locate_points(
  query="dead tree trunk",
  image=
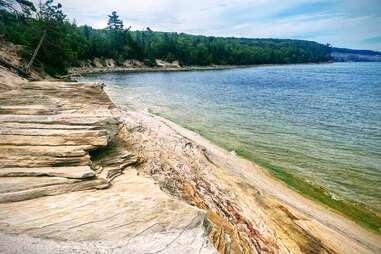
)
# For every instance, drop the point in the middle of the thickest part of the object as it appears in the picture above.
(12, 67)
(36, 50)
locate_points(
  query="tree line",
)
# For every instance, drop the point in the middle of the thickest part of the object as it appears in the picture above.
(69, 45)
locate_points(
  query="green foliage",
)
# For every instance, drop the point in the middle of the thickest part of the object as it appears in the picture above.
(114, 22)
(51, 14)
(58, 49)
(201, 50)
(67, 44)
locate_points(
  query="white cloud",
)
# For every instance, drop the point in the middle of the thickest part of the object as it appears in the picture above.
(345, 24)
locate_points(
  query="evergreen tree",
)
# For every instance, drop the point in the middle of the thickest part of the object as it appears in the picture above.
(50, 13)
(86, 32)
(66, 45)
(114, 23)
(53, 26)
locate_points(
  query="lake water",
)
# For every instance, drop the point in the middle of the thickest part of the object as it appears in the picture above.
(319, 125)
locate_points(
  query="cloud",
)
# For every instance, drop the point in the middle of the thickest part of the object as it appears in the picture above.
(343, 23)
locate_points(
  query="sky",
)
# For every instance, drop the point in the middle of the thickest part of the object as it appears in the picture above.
(342, 23)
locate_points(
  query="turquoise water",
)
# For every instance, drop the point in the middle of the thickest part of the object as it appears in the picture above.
(320, 124)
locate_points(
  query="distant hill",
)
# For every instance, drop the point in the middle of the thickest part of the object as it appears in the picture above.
(353, 55)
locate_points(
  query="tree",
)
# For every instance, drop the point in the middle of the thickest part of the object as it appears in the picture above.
(52, 41)
(50, 13)
(18, 7)
(86, 31)
(66, 45)
(114, 23)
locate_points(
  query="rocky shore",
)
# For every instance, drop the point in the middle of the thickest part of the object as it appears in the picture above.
(109, 65)
(80, 175)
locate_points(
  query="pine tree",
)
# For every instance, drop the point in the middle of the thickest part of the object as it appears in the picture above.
(114, 23)
(50, 13)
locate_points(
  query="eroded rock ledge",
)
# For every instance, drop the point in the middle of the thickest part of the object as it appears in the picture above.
(249, 211)
(48, 130)
(79, 175)
(69, 183)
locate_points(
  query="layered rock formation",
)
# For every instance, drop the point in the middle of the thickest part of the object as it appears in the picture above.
(98, 65)
(66, 175)
(46, 134)
(79, 175)
(249, 211)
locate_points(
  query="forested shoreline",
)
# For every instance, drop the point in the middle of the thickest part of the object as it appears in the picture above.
(69, 45)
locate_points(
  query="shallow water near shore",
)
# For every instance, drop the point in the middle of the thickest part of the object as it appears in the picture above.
(316, 127)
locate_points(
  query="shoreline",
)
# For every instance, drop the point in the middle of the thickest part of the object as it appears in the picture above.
(101, 70)
(315, 193)
(268, 184)
(78, 71)
(362, 215)
(180, 187)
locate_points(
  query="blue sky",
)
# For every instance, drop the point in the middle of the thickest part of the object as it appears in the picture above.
(342, 23)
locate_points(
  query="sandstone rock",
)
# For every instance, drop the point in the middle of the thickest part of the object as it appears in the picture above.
(97, 62)
(53, 151)
(26, 110)
(72, 119)
(133, 216)
(112, 162)
(53, 140)
(110, 63)
(16, 184)
(175, 191)
(66, 172)
(164, 64)
(249, 211)
(48, 126)
(50, 188)
(43, 161)
(47, 130)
